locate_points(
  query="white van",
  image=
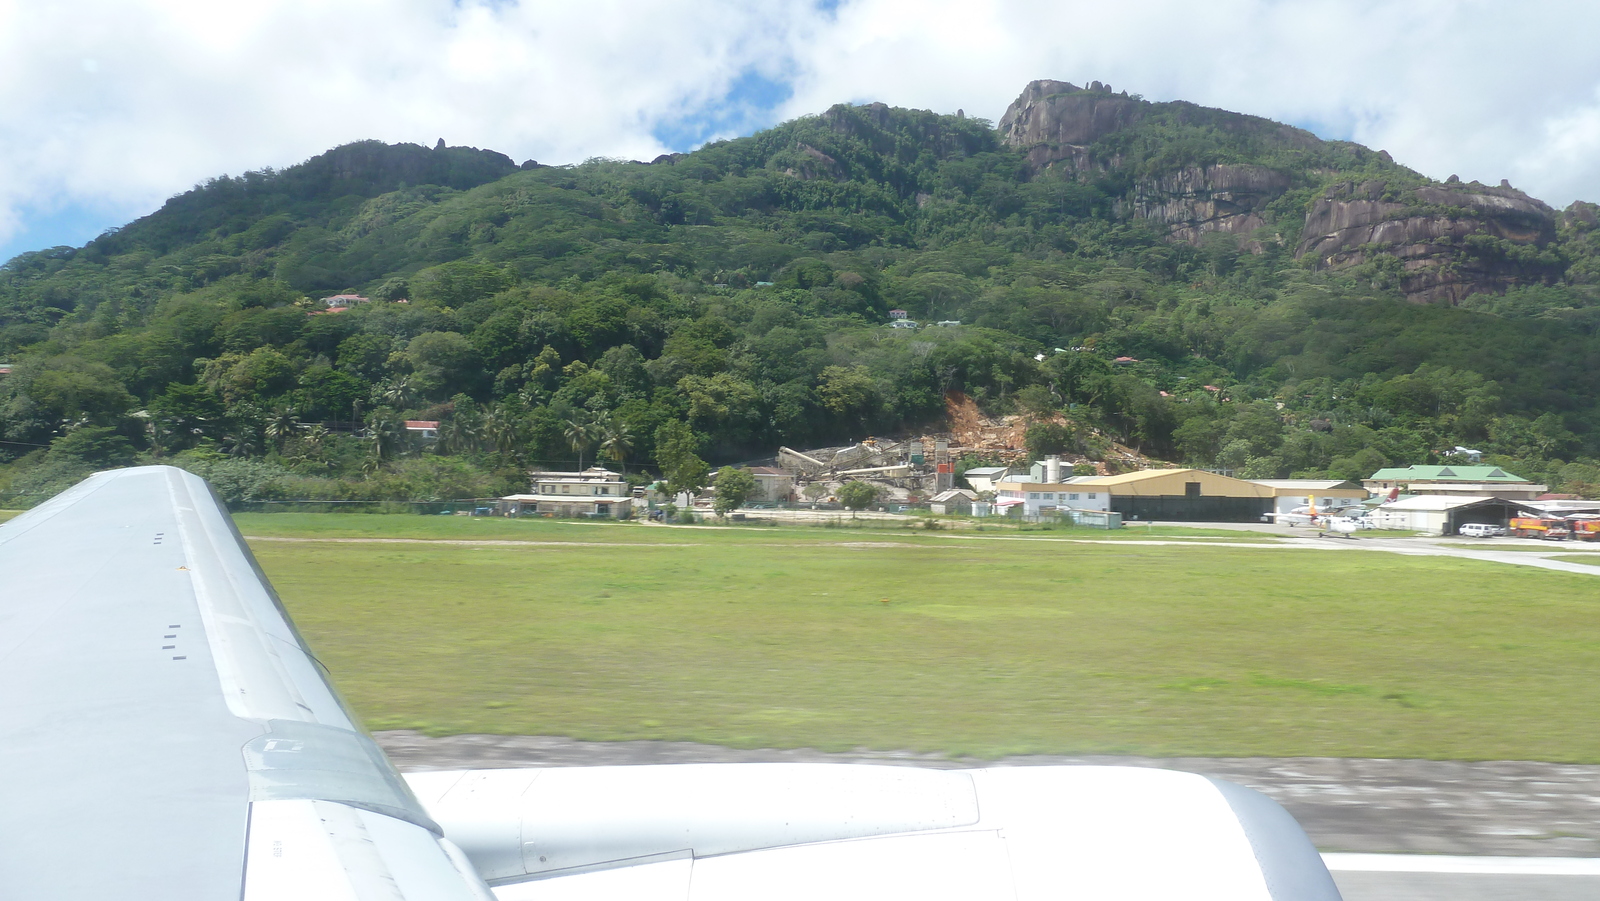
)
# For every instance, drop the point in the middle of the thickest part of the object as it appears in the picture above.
(1478, 530)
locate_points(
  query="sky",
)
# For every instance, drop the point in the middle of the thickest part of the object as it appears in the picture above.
(108, 107)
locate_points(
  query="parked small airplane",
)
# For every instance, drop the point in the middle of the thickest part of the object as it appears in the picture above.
(165, 734)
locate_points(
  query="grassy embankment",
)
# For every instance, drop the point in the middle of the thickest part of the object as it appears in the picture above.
(937, 642)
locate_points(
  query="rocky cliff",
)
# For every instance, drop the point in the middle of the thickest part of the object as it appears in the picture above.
(1197, 170)
(1451, 240)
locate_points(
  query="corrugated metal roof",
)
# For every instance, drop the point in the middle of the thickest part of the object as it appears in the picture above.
(1445, 474)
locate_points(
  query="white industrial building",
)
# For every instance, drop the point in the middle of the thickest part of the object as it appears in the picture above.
(1436, 514)
(1288, 495)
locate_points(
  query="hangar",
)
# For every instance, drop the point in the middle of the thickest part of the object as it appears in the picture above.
(1440, 515)
(1184, 495)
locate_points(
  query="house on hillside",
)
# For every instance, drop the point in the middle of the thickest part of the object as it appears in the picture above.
(427, 429)
(1453, 481)
(343, 301)
(595, 492)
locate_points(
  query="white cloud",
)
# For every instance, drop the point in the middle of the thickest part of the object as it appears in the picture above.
(117, 104)
(129, 101)
(1482, 89)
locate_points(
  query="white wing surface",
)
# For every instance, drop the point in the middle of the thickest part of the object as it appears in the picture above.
(163, 731)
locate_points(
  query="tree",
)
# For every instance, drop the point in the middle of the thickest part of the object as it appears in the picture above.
(814, 492)
(733, 486)
(616, 439)
(579, 430)
(676, 444)
(387, 432)
(1043, 439)
(282, 424)
(95, 445)
(463, 432)
(857, 495)
(183, 414)
(500, 426)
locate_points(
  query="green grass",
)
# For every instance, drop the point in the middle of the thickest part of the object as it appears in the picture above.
(928, 641)
(1589, 559)
(8, 514)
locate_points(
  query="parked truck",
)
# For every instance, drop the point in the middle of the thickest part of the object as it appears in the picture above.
(1550, 528)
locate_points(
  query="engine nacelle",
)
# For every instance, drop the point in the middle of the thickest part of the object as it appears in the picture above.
(820, 830)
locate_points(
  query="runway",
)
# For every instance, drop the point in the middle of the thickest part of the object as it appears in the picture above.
(1407, 877)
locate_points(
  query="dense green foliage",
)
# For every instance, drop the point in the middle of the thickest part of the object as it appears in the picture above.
(736, 298)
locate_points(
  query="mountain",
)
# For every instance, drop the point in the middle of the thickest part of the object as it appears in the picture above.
(1289, 305)
(1195, 171)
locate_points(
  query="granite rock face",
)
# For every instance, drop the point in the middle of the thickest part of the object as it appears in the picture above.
(1059, 113)
(1450, 240)
(1436, 232)
(1222, 198)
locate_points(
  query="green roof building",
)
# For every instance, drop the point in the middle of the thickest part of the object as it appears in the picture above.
(1453, 481)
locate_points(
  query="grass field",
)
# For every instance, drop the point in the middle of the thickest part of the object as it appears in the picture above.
(1589, 559)
(8, 514)
(970, 644)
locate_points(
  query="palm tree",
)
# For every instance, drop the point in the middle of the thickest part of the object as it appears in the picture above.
(462, 432)
(282, 424)
(616, 439)
(501, 428)
(398, 393)
(580, 433)
(387, 432)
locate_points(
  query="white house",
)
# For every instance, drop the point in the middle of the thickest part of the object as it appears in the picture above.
(595, 491)
(983, 478)
(1051, 498)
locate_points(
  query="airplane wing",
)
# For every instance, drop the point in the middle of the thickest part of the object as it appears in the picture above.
(165, 734)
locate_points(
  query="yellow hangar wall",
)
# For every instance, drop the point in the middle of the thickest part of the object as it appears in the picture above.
(1176, 482)
(1184, 495)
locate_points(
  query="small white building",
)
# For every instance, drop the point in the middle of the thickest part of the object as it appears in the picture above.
(983, 478)
(1052, 498)
(423, 428)
(773, 485)
(595, 491)
(1327, 495)
(954, 501)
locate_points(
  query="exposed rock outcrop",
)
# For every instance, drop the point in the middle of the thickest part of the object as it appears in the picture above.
(1222, 198)
(1065, 115)
(1452, 240)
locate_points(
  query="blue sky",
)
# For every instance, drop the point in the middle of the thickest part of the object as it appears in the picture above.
(107, 107)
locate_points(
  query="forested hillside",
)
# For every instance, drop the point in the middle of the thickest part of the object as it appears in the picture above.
(714, 305)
